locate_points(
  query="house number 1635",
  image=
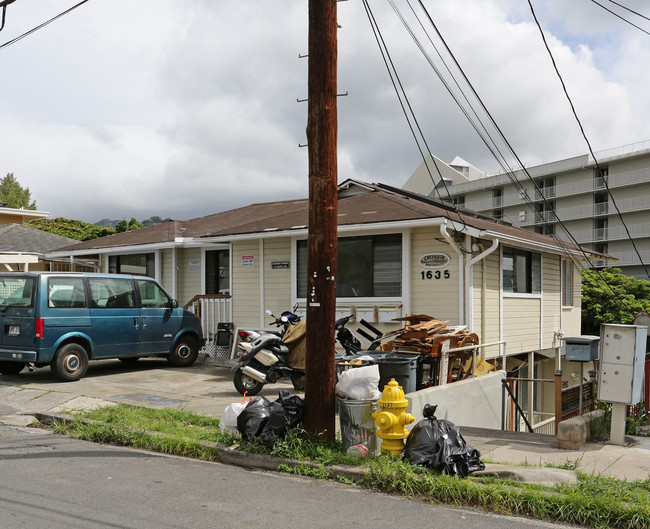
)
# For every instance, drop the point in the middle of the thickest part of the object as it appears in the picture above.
(438, 274)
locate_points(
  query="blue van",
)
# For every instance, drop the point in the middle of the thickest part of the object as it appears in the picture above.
(67, 319)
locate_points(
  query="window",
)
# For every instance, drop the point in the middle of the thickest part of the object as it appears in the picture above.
(367, 267)
(16, 292)
(567, 283)
(522, 271)
(66, 292)
(217, 272)
(111, 293)
(152, 296)
(139, 264)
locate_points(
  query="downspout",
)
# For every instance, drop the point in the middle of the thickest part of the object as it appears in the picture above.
(468, 291)
(461, 289)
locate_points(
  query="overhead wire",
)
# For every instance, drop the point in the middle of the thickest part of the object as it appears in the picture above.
(40, 26)
(621, 17)
(503, 163)
(630, 10)
(508, 172)
(584, 135)
(404, 102)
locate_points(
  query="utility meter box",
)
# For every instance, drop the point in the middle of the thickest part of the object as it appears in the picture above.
(622, 357)
(581, 348)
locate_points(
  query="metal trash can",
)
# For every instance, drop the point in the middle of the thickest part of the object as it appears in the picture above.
(357, 424)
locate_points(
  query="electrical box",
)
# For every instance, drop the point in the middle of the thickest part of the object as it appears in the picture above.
(581, 348)
(622, 357)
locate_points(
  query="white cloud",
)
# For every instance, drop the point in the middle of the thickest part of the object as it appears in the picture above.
(124, 109)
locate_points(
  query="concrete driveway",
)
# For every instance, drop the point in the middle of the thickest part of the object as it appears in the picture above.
(151, 382)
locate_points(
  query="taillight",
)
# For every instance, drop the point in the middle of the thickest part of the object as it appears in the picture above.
(38, 328)
(244, 335)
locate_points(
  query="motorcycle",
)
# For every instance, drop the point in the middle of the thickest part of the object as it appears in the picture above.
(263, 357)
(350, 342)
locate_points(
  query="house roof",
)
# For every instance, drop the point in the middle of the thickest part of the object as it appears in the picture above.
(16, 238)
(359, 203)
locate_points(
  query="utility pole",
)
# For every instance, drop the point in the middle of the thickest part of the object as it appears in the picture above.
(323, 217)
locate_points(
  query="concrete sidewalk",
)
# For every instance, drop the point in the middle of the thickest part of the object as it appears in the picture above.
(208, 389)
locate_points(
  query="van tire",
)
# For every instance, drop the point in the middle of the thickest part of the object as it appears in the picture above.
(11, 368)
(70, 363)
(184, 353)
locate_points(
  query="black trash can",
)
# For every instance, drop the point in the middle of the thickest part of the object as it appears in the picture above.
(396, 367)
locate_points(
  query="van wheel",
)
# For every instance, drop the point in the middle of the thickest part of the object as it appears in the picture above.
(185, 352)
(70, 363)
(11, 368)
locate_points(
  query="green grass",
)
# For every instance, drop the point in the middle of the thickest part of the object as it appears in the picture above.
(596, 501)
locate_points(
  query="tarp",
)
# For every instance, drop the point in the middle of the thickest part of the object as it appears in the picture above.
(296, 340)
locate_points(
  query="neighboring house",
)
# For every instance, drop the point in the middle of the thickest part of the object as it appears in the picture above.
(20, 216)
(571, 190)
(23, 248)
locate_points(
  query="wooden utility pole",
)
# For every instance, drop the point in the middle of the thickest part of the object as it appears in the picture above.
(323, 209)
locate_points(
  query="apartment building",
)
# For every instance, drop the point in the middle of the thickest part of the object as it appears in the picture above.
(566, 195)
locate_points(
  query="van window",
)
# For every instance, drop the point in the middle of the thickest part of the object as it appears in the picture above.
(65, 292)
(111, 293)
(152, 295)
(16, 292)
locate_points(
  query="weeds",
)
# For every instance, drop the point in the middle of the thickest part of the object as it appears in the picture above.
(596, 501)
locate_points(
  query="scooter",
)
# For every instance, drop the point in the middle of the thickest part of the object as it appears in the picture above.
(350, 342)
(262, 358)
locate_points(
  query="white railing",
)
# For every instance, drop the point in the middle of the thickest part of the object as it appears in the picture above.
(546, 426)
(212, 309)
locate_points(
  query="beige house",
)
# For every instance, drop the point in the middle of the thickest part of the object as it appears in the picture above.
(399, 253)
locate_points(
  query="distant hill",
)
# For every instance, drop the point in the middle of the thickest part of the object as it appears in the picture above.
(110, 223)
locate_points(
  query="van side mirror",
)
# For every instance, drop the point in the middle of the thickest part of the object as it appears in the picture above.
(173, 304)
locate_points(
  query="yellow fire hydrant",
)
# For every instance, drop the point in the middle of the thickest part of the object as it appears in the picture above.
(392, 418)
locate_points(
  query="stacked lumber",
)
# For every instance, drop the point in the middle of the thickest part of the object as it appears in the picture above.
(426, 335)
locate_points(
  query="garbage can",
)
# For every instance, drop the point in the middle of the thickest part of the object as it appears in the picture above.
(357, 424)
(400, 367)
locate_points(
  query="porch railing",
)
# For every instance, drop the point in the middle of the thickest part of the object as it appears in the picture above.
(215, 312)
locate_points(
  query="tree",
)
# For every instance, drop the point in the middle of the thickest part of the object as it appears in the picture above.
(14, 195)
(123, 225)
(609, 296)
(73, 229)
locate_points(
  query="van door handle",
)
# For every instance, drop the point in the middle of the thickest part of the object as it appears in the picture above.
(144, 324)
(135, 322)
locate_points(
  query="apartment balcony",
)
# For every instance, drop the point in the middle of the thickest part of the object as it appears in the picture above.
(585, 186)
(627, 259)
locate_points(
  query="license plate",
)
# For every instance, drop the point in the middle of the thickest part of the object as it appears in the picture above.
(14, 330)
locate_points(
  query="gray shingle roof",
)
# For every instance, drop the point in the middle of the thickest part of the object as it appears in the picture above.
(18, 238)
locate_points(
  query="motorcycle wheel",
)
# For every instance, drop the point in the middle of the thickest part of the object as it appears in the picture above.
(246, 385)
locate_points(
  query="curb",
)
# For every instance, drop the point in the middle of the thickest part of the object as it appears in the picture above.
(232, 456)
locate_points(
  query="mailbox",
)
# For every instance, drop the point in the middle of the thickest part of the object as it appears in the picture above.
(622, 362)
(581, 348)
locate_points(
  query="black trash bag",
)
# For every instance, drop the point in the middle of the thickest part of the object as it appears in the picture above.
(285, 413)
(253, 418)
(438, 444)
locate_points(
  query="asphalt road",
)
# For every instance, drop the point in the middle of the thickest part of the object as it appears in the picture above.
(52, 482)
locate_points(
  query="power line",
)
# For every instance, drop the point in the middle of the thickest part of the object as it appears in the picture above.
(630, 10)
(622, 18)
(27, 33)
(584, 135)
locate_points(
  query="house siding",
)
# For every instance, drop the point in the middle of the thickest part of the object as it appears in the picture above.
(552, 290)
(521, 323)
(487, 325)
(435, 297)
(246, 284)
(277, 281)
(189, 278)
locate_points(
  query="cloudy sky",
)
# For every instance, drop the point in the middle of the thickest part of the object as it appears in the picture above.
(127, 108)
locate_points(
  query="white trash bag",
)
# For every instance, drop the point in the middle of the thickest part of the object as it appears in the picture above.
(228, 422)
(359, 383)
